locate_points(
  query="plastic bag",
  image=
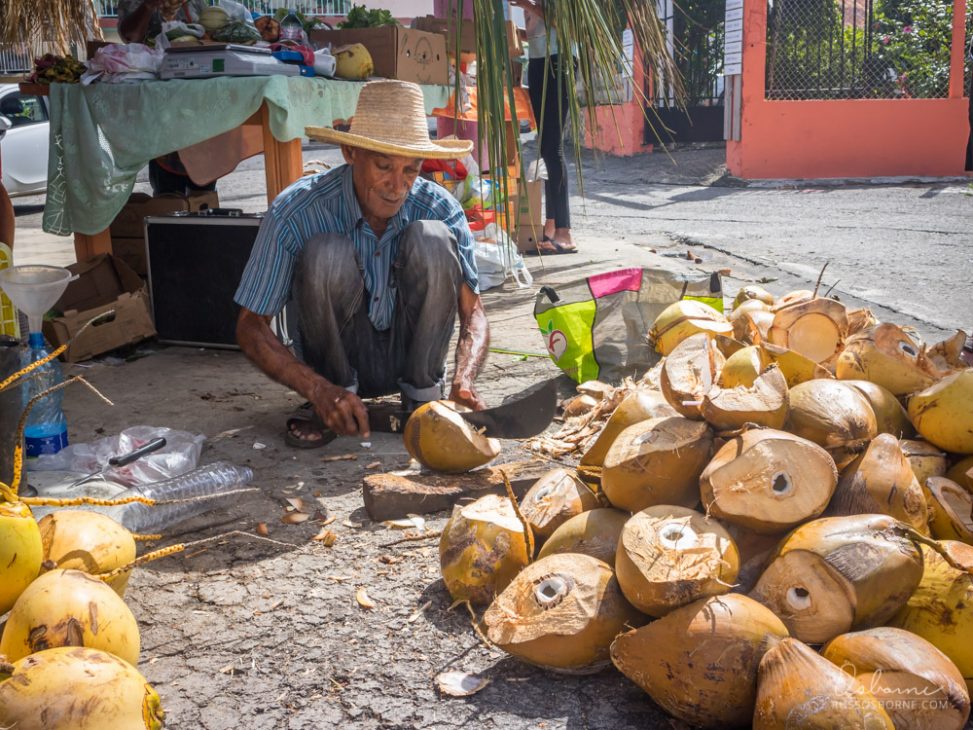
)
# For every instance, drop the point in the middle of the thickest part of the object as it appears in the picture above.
(497, 258)
(116, 62)
(179, 455)
(597, 328)
(238, 12)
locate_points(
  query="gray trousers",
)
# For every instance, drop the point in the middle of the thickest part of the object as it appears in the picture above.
(338, 339)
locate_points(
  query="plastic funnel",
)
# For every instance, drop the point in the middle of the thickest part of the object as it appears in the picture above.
(34, 289)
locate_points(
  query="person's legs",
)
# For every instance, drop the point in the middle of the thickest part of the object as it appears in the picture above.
(163, 181)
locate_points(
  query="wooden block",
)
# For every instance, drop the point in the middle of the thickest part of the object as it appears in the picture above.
(392, 496)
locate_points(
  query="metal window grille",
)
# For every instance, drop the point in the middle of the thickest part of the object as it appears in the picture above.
(15, 58)
(109, 9)
(858, 49)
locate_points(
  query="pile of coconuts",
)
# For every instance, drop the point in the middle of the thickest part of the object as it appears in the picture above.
(70, 645)
(779, 536)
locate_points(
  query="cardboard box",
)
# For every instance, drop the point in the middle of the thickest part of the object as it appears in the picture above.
(530, 215)
(398, 53)
(104, 283)
(128, 228)
(467, 31)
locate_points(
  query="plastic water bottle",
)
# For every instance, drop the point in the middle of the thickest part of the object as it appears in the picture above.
(292, 29)
(46, 431)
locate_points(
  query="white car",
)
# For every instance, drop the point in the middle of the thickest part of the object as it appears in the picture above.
(23, 148)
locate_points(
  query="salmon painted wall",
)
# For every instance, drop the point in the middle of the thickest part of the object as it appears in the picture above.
(622, 133)
(845, 138)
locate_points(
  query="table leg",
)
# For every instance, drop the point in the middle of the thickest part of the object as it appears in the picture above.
(283, 161)
(86, 246)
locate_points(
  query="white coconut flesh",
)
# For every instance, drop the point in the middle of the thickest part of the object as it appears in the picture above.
(773, 485)
(494, 509)
(690, 372)
(764, 403)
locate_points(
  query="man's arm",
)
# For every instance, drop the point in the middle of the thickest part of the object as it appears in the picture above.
(342, 411)
(471, 349)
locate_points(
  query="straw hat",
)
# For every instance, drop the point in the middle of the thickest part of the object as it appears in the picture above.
(391, 119)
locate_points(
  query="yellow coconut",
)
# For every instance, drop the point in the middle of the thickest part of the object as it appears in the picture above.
(354, 62)
(881, 481)
(555, 498)
(768, 481)
(683, 319)
(741, 320)
(943, 413)
(699, 662)
(639, 405)
(798, 688)
(754, 325)
(483, 546)
(940, 610)
(762, 404)
(438, 438)
(836, 574)
(21, 552)
(88, 541)
(924, 458)
(962, 473)
(751, 293)
(816, 328)
(917, 685)
(796, 368)
(689, 372)
(886, 355)
(593, 533)
(793, 297)
(950, 510)
(890, 416)
(562, 612)
(743, 367)
(946, 357)
(669, 556)
(77, 688)
(657, 462)
(832, 415)
(70, 608)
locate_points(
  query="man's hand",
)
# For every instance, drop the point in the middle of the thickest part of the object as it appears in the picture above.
(341, 410)
(465, 393)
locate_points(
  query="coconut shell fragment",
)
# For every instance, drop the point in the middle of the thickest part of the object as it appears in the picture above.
(593, 533)
(669, 556)
(768, 481)
(924, 458)
(438, 438)
(943, 413)
(690, 372)
(885, 355)
(700, 661)
(639, 405)
(798, 688)
(555, 498)
(950, 510)
(762, 404)
(562, 612)
(815, 328)
(685, 318)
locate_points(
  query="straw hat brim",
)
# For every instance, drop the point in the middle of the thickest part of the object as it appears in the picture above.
(447, 149)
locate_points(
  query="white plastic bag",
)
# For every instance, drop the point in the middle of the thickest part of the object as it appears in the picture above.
(238, 12)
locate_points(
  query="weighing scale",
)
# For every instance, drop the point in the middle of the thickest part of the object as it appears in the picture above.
(224, 59)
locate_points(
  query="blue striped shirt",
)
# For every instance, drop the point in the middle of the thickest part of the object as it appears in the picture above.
(326, 203)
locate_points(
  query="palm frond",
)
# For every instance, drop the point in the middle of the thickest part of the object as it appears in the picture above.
(55, 25)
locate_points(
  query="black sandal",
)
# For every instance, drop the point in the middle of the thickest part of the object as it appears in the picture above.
(306, 415)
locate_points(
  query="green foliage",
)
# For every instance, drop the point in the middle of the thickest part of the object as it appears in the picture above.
(913, 40)
(361, 17)
(309, 22)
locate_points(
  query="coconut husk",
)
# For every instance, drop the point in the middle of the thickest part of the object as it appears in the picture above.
(762, 404)
(943, 412)
(860, 320)
(768, 481)
(945, 357)
(657, 462)
(924, 458)
(816, 328)
(832, 415)
(21, 551)
(796, 368)
(755, 550)
(950, 510)
(751, 293)
(940, 609)
(743, 367)
(690, 372)
(886, 355)
(727, 635)
(740, 317)
(683, 319)
(593, 533)
(669, 556)
(797, 296)
(796, 687)
(555, 498)
(881, 481)
(579, 405)
(962, 473)
(440, 439)
(836, 574)
(577, 432)
(917, 685)
(639, 405)
(890, 416)
(562, 612)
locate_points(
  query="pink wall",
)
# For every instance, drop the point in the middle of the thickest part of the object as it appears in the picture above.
(845, 138)
(620, 129)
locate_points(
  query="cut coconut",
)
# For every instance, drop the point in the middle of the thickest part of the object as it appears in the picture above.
(832, 415)
(562, 612)
(860, 320)
(924, 458)
(886, 355)
(683, 319)
(593, 533)
(797, 688)
(940, 610)
(689, 372)
(918, 685)
(768, 481)
(836, 574)
(700, 661)
(946, 357)
(793, 297)
(943, 413)
(579, 406)
(669, 556)
(743, 367)
(88, 541)
(962, 473)
(741, 319)
(951, 510)
(483, 546)
(438, 438)
(816, 329)
(753, 293)
(639, 405)
(890, 416)
(657, 462)
(762, 404)
(555, 498)
(881, 481)
(796, 368)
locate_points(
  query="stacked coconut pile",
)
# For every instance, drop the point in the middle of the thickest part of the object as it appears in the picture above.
(778, 534)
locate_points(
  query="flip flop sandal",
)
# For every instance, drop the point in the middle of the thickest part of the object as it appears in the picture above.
(306, 415)
(559, 249)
